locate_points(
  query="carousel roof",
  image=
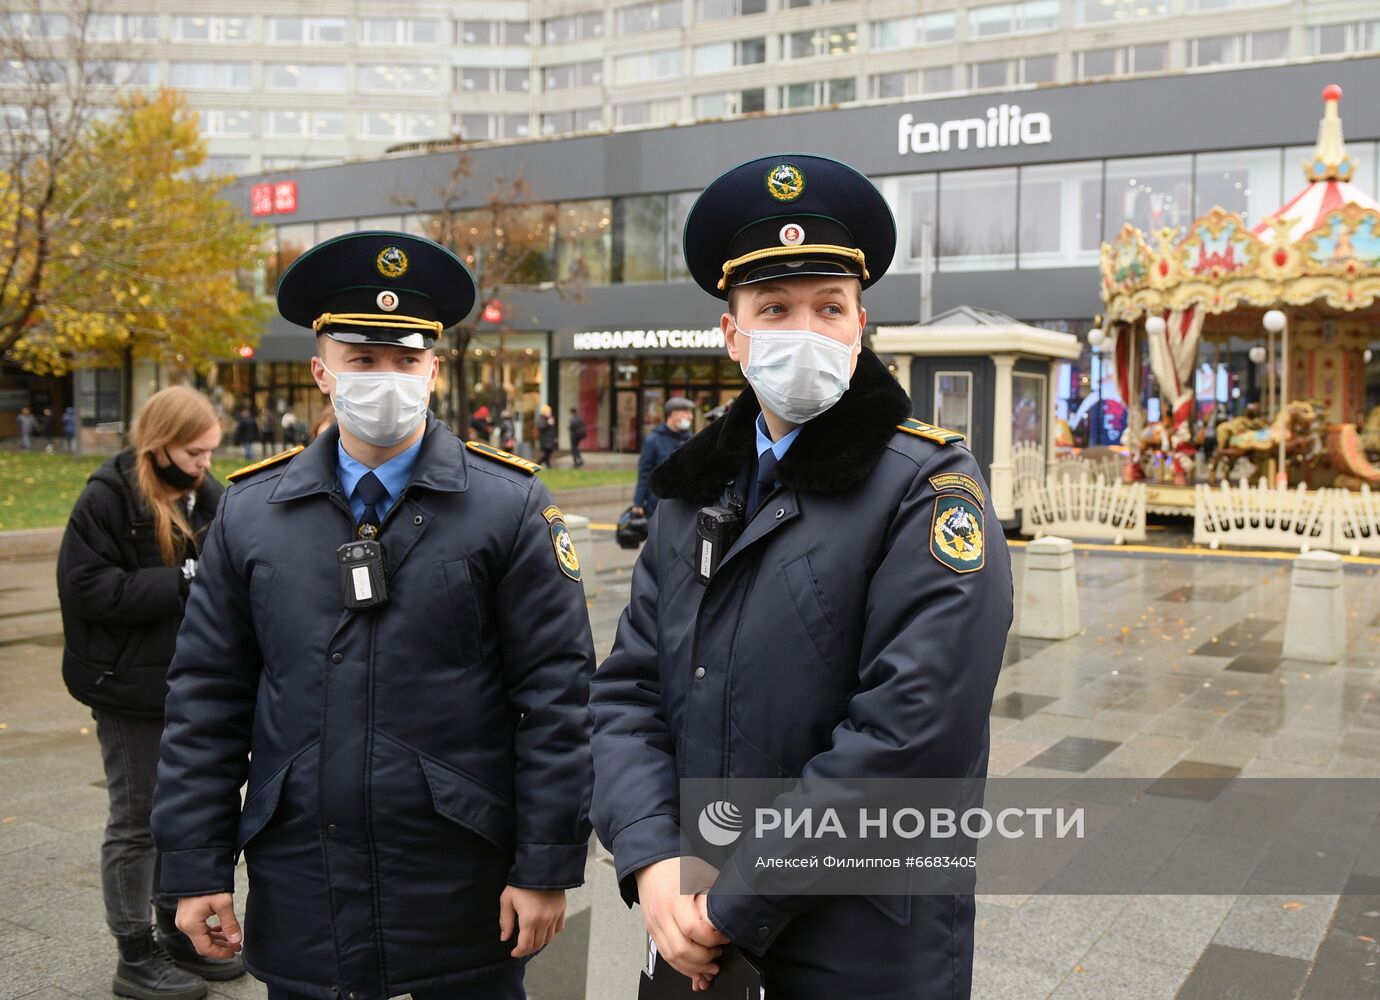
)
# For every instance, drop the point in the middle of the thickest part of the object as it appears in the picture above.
(1322, 247)
(1329, 171)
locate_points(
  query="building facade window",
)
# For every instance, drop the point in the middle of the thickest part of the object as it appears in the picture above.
(215, 76)
(840, 39)
(197, 28)
(1337, 39)
(717, 10)
(1149, 193)
(740, 102)
(1013, 18)
(1227, 50)
(399, 31)
(977, 219)
(1211, 5)
(306, 30)
(319, 124)
(416, 78)
(474, 127)
(1107, 11)
(515, 126)
(1152, 58)
(573, 28)
(818, 92)
(304, 76)
(399, 125)
(718, 56)
(635, 67)
(908, 32)
(564, 76)
(1060, 215)
(123, 28)
(659, 15)
(1246, 181)
(584, 240)
(647, 112)
(219, 122)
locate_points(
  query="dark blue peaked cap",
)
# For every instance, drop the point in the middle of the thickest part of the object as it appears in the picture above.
(377, 287)
(788, 215)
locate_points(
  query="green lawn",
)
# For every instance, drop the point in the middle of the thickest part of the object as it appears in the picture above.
(37, 490)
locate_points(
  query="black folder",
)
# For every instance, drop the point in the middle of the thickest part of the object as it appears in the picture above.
(738, 979)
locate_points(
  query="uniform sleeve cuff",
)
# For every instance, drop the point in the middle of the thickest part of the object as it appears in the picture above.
(548, 866)
(750, 922)
(640, 844)
(203, 871)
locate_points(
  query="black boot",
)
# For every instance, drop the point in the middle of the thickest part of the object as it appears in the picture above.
(145, 972)
(179, 948)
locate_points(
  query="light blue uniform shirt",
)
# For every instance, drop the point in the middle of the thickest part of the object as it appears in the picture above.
(764, 440)
(393, 473)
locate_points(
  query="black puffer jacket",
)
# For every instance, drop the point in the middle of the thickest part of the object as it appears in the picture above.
(121, 605)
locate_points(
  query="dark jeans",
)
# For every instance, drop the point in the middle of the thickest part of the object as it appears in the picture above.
(506, 986)
(575, 455)
(129, 859)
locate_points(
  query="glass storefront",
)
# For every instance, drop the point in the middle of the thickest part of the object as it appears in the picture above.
(622, 398)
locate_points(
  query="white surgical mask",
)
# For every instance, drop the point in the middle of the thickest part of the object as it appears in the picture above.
(797, 374)
(382, 408)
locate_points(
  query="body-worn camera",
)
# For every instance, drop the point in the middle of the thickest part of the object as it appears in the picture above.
(362, 580)
(717, 529)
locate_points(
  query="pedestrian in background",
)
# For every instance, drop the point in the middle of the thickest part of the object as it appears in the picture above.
(125, 568)
(50, 430)
(246, 433)
(664, 439)
(69, 428)
(507, 431)
(289, 428)
(547, 433)
(577, 429)
(268, 433)
(28, 423)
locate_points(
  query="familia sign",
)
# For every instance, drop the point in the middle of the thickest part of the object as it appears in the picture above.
(1004, 125)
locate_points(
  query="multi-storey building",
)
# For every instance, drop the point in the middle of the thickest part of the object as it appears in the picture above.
(295, 83)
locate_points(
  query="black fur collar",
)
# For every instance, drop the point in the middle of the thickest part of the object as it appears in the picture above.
(834, 452)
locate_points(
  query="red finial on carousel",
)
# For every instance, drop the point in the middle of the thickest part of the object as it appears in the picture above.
(1330, 161)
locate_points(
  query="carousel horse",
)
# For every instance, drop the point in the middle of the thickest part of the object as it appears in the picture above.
(1299, 425)
(1370, 434)
(1161, 448)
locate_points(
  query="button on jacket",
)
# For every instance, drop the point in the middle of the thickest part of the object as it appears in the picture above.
(841, 637)
(408, 761)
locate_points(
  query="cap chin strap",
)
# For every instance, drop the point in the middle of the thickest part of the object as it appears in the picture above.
(386, 322)
(851, 253)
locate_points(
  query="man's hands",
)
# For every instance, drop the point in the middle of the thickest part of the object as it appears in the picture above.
(679, 923)
(220, 940)
(539, 915)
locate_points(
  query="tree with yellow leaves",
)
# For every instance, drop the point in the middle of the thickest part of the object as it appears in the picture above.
(112, 246)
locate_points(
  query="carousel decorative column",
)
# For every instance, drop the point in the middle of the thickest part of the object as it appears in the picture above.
(1275, 323)
(1003, 482)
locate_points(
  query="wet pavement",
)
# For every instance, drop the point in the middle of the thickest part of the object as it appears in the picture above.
(1178, 670)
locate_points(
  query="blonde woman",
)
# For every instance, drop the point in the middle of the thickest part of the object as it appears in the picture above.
(127, 561)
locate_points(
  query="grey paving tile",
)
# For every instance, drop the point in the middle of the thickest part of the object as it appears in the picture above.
(1074, 753)
(1102, 975)
(1194, 779)
(1255, 663)
(1292, 926)
(1345, 967)
(1206, 593)
(1167, 930)
(1020, 704)
(1236, 974)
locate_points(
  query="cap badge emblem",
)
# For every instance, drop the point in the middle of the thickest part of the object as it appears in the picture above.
(391, 262)
(388, 301)
(785, 182)
(792, 234)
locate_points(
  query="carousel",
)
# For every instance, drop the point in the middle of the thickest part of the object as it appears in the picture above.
(1303, 287)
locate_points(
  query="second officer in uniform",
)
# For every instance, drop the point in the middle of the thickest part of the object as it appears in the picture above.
(854, 629)
(388, 640)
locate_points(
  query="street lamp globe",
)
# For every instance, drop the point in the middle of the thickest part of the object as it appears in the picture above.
(1095, 338)
(1257, 354)
(1274, 321)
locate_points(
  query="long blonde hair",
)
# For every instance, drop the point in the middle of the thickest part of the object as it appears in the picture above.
(172, 416)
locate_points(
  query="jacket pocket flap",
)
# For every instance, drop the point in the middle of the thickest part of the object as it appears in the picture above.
(896, 907)
(259, 807)
(464, 801)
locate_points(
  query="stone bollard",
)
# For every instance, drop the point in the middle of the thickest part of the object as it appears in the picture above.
(1315, 626)
(1049, 590)
(578, 525)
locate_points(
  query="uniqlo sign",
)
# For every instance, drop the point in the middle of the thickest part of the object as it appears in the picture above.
(273, 199)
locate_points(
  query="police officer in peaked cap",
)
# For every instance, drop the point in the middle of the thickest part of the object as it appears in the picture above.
(388, 641)
(855, 626)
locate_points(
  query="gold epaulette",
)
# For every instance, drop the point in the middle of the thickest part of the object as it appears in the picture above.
(499, 455)
(930, 432)
(282, 456)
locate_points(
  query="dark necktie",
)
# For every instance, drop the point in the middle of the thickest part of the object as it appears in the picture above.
(763, 483)
(372, 492)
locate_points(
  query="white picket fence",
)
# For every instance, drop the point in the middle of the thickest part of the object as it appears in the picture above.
(1266, 516)
(1028, 464)
(1086, 509)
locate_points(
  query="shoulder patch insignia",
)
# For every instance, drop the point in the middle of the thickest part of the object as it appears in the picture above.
(956, 533)
(929, 432)
(566, 558)
(957, 481)
(272, 460)
(499, 455)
